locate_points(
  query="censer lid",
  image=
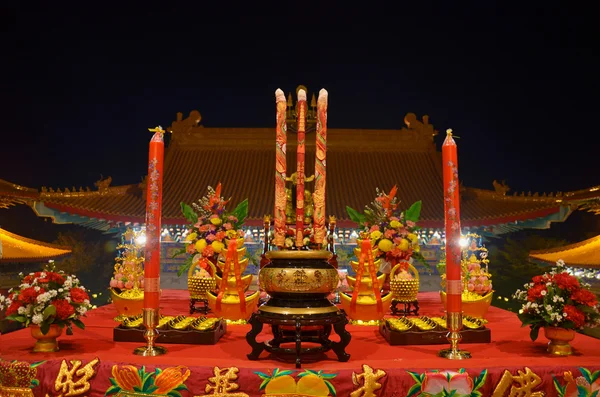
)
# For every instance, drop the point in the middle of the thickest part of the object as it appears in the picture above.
(290, 254)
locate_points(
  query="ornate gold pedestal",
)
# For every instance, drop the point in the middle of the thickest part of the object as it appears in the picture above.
(230, 308)
(366, 302)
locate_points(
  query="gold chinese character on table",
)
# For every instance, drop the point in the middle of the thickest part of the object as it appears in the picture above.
(369, 380)
(518, 385)
(74, 381)
(222, 383)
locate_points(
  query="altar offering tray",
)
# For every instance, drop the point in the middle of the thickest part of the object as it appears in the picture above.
(173, 329)
(431, 330)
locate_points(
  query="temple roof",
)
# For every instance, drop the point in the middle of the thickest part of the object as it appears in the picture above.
(584, 253)
(15, 248)
(358, 162)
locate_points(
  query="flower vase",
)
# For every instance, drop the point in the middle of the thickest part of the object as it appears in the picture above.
(559, 340)
(46, 343)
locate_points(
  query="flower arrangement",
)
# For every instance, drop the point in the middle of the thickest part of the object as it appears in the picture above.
(392, 231)
(211, 225)
(129, 267)
(47, 297)
(557, 299)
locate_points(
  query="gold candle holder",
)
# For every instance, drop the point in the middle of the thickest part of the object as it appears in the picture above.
(454, 323)
(151, 319)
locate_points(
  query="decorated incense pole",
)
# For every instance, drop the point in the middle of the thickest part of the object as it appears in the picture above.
(301, 151)
(320, 168)
(152, 248)
(280, 169)
(453, 249)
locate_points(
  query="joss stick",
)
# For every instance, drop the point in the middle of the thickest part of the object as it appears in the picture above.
(452, 223)
(320, 165)
(153, 220)
(301, 151)
(280, 169)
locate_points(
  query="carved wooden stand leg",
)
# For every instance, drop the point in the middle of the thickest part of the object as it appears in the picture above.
(288, 329)
(339, 348)
(202, 309)
(257, 347)
(298, 342)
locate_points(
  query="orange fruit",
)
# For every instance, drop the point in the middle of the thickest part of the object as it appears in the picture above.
(312, 385)
(281, 385)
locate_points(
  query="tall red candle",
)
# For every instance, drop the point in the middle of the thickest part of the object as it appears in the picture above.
(280, 169)
(452, 222)
(301, 151)
(320, 169)
(153, 219)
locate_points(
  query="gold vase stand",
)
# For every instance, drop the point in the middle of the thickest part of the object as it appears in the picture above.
(408, 307)
(291, 331)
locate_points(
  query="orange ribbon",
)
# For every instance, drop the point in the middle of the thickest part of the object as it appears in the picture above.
(366, 254)
(232, 256)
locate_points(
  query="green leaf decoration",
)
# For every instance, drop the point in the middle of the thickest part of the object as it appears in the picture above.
(189, 213)
(49, 311)
(328, 376)
(113, 381)
(586, 374)
(480, 380)
(44, 327)
(416, 376)
(414, 212)
(37, 364)
(240, 212)
(582, 391)
(262, 375)
(308, 372)
(151, 389)
(355, 216)
(264, 383)
(147, 381)
(560, 389)
(112, 390)
(533, 334)
(185, 266)
(331, 388)
(178, 252)
(181, 387)
(174, 393)
(414, 390)
(16, 317)
(78, 323)
(595, 394)
(34, 383)
(69, 330)
(595, 376)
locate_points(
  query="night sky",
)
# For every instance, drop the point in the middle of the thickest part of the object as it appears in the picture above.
(81, 86)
